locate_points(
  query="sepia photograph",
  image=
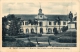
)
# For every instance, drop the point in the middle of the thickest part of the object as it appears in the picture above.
(39, 24)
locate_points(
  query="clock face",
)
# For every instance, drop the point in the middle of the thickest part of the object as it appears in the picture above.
(41, 17)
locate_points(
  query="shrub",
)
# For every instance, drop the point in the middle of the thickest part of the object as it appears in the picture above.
(64, 28)
(66, 40)
(30, 44)
(20, 43)
(23, 36)
(55, 31)
(71, 34)
(10, 39)
(52, 37)
(39, 35)
(32, 35)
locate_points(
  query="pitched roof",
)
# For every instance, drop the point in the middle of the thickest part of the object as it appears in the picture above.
(32, 16)
(62, 17)
(25, 17)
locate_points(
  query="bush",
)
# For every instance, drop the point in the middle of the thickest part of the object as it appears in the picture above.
(66, 40)
(55, 31)
(52, 37)
(70, 34)
(32, 35)
(30, 44)
(39, 35)
(10, 39)
(64, 28)
(23, 36)
(49, 33)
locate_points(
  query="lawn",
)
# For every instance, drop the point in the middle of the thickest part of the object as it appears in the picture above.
(58, 40)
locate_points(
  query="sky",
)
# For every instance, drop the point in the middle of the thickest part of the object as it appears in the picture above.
(61, 8)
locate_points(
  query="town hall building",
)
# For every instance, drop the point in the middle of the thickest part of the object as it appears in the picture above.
(45, 23)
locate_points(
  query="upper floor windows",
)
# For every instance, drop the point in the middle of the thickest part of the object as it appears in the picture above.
(49, 23)
(26, 23)
(64, 23)
(54, 23)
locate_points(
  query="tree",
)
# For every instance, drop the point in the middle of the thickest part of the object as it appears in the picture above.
(55, 31)
(58, 20)
(64, 28)
(4, 23)
(15, 25)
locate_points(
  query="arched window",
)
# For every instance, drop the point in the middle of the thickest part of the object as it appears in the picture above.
(27, 30)
(41, 30)
(49, 30)
(32, 30)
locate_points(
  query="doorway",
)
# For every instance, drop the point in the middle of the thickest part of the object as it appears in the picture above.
(41, 30)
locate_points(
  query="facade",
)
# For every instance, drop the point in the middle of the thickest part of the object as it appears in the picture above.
(45, 23)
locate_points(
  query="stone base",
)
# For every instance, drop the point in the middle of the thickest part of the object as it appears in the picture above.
(72, 30)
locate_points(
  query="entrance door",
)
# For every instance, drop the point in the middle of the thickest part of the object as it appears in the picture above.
(27, 30)
(41, 30)
(32, 30)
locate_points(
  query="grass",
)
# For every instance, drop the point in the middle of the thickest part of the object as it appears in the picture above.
(58, 45)
(17, 43)
(40, 39)
(63, 40)
(66, 37)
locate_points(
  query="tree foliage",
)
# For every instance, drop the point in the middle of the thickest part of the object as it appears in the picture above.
(55, 31)
(64, 28)
(15, 25)
(4, 23)
(58, 21)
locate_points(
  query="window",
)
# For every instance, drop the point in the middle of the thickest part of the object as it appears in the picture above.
(21, 30)
(41, 30)
(26, 23)
(40, 16)
(27, 30)
(49, 30)
(59, 23)
(32, 30)
(49, 23)
(64, 23)
(40, 24)
(54, 23)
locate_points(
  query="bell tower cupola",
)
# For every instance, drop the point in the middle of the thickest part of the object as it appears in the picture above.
(40, 10)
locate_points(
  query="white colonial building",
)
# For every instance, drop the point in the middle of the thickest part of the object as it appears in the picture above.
(46, 23)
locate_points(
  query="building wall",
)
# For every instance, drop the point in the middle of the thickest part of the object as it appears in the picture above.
(45, 26)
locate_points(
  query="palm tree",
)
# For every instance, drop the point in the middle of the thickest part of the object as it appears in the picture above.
(58, 20)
